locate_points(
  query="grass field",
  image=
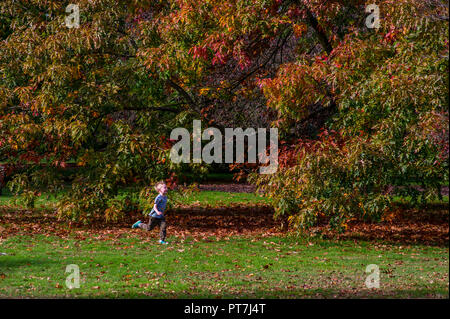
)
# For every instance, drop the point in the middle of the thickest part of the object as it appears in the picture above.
(240, 267)
(228, 251)
(203, 198)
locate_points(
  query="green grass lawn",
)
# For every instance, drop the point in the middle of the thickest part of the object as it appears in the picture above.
(133, 265)
(203, 198)
(215, 198)
(241, 267)
(7, 199)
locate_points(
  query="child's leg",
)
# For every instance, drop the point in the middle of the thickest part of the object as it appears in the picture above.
(151, 224)
(162, 229)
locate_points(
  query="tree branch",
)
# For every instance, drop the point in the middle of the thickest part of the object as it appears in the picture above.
(274, 52)
(320, 33)
(179, 89)
(162, 108)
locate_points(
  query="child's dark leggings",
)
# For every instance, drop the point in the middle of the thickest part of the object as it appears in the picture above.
(153, 222)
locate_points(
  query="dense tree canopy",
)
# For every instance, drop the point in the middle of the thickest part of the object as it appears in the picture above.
(107, 94)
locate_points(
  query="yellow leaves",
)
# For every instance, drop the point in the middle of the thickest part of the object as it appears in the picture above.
(24, 93)
(84, 159)
(226, 21)
(204, 91)
(76, 73)
(299, 29)
(78, 131)
(132, 147)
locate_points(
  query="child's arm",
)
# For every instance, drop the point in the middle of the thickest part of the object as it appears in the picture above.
(156, 210)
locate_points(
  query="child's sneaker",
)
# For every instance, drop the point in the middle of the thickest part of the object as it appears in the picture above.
(163, 242)
(136, 224)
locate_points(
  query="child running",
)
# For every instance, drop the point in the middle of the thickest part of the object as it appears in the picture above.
(157, 213)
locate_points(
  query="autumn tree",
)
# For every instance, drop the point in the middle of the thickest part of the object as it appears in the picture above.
(388, 88)
(106, 95)
(66, 95)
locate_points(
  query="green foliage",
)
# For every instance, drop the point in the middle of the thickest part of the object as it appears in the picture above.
(83, 204)
(147, 199)
(105, 96)
(389, 89)
(68, 95)
(334, 181)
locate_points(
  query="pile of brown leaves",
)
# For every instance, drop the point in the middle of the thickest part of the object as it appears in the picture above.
(402, 226)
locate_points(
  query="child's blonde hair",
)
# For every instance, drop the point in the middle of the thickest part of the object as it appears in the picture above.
(159, 184)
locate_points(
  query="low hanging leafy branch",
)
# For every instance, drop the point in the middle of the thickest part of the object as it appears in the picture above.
(106, 95)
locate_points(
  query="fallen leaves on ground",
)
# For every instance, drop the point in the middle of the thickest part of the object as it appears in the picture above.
(231, 188)
(407, 226)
